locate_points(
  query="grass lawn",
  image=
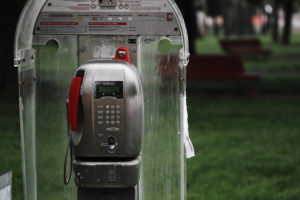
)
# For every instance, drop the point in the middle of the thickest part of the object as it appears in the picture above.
(10, 145)
(247, 146)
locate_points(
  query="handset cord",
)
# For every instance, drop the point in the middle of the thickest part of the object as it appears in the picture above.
(69, 148)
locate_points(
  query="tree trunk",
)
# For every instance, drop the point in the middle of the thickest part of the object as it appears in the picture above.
(237, 17)
(275, 21)
(288, 21)
(8, 72)
(187, 9)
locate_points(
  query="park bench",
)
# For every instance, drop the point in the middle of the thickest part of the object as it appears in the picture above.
(245, 47)
(220, 68)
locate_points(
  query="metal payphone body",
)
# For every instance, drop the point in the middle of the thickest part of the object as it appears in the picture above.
(107, 140)
(111, 94)
(57, 38)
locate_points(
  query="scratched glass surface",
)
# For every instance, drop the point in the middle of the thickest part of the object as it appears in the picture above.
(27, 121)
(57, 63)
(159, 69)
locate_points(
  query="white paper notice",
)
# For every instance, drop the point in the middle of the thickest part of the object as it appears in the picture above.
(104, 51)
(189, 148)
(5, 193)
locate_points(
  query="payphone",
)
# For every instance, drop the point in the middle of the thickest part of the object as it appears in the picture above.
(122, 66)
(105, 123)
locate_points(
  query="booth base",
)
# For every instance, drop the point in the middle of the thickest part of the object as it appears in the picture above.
(107, 194)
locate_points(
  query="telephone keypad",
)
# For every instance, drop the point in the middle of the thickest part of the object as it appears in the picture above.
(109, 122)
(109, 115)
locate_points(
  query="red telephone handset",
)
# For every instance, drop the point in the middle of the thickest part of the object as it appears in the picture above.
(73, 105)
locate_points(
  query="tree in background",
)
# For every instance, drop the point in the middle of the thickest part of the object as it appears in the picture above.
(214, 9)
(189, 14)
(236, 13)
(275, 31)
(289, 10)
(8, 72)
(8, 23)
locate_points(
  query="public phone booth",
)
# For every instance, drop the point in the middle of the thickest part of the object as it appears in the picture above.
(102, 99)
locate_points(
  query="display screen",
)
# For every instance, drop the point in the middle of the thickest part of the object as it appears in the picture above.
(109, 88)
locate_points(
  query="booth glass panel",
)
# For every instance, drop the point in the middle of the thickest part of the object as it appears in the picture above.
(56, 65)
(161, 165)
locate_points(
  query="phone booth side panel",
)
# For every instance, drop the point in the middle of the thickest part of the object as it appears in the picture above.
(184, 60)
(27, 108)
(56, 66)
(25, 60)
(161, 168)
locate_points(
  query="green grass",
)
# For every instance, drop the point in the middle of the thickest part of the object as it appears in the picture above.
(208, 45)
(247, 148)
(10, 145)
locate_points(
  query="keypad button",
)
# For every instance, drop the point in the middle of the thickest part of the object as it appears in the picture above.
(107, 117)
(100, 122)
(112, 122)
(100, 107)
(118, 112)
(112, 117)
(112, 112)
(107, 112)
(100, 135)
(118, 117)
(118, 106)
(107, 106)
(100, 117)
(113, 129)
(100, 112)
(107, 122)
(118, 122)
(113, 107)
